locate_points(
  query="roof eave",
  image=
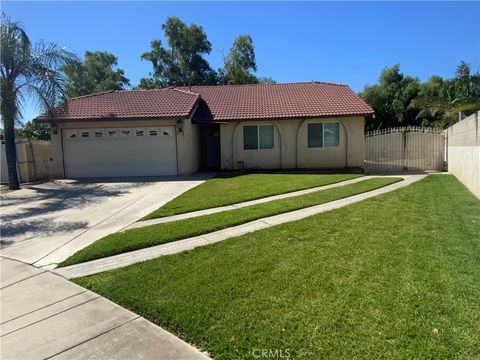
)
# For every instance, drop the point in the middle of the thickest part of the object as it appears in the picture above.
(293, 117)
(58, 119)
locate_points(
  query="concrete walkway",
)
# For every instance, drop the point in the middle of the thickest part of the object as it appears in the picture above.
(44, 224)
(44, 316)
(140, 224)
(121, 260)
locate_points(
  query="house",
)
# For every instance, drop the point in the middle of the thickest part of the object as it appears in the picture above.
(180, 130)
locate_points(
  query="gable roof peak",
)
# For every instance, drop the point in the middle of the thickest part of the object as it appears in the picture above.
(216, 103)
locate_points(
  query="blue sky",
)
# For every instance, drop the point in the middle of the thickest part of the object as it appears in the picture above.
(345, 42)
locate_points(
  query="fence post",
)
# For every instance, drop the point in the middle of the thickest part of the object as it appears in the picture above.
(34, 165)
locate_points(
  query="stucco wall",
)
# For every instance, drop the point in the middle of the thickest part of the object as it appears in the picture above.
(325, 157)
(195, 155)
(463, 152)
(188, 141)
(226, 148)
(290, 146)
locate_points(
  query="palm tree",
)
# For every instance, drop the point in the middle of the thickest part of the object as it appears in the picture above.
(27, 71)
(466, 88)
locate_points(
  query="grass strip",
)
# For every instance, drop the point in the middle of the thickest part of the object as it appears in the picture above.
(139, 238)
(228, 189)
(391, 277)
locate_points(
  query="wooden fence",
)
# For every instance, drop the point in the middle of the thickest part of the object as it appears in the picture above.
(34, 161)
(404, 150)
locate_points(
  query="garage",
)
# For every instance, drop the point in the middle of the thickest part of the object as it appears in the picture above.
(117, 152)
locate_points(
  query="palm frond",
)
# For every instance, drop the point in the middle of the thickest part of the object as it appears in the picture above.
(44, 78)
(16, 48)
(468, 106)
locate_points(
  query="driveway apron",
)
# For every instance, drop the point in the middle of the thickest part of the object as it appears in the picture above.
(46, 223)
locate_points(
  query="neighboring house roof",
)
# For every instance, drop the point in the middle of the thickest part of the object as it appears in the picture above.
(137, 104)
(217, 103)
(276, 101)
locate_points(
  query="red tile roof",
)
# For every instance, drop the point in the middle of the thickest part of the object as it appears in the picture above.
(137, 104)
(218, 103)
(276, 101)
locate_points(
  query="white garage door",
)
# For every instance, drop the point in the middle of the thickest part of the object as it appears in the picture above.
(108, 152)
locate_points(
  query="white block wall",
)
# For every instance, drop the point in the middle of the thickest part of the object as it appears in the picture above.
(464, 152)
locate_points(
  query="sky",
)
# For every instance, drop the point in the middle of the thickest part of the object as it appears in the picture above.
(342, 42)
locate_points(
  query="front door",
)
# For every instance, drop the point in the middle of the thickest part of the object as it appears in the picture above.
(211, 146)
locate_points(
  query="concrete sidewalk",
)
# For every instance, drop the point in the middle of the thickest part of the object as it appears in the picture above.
(44, 316)
(129, 258)
(140, 224)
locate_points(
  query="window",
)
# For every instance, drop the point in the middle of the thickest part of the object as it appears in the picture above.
(265, 136)
(138, 132)
(112, 132)
(152, 133)
(166, 131)
(125, 132)
(72, 134)
(331, 134)
(85, 134)
(250, 137)
(323, 134)
(258, 137)
(315, 135)
(98, 134)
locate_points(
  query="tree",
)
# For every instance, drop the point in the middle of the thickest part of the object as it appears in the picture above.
(433, 103)
(400, 100)
(266, 80)
(465, 90)
(95, 74)
(26, 70)
(391, 99)
(34, 131)
(182, 63)
(148, 84)
(240, 63)
(440, 101)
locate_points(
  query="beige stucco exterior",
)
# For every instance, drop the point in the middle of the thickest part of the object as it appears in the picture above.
(290, 149)
(187, 140)
(463, 152)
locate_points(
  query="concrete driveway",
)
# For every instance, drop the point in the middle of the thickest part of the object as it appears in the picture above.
(46, 223)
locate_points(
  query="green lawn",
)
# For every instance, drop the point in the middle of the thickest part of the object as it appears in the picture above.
(371, 280)
(227, 189)
(135, 239)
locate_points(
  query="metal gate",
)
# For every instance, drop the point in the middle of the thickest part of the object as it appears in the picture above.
(404, 150)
